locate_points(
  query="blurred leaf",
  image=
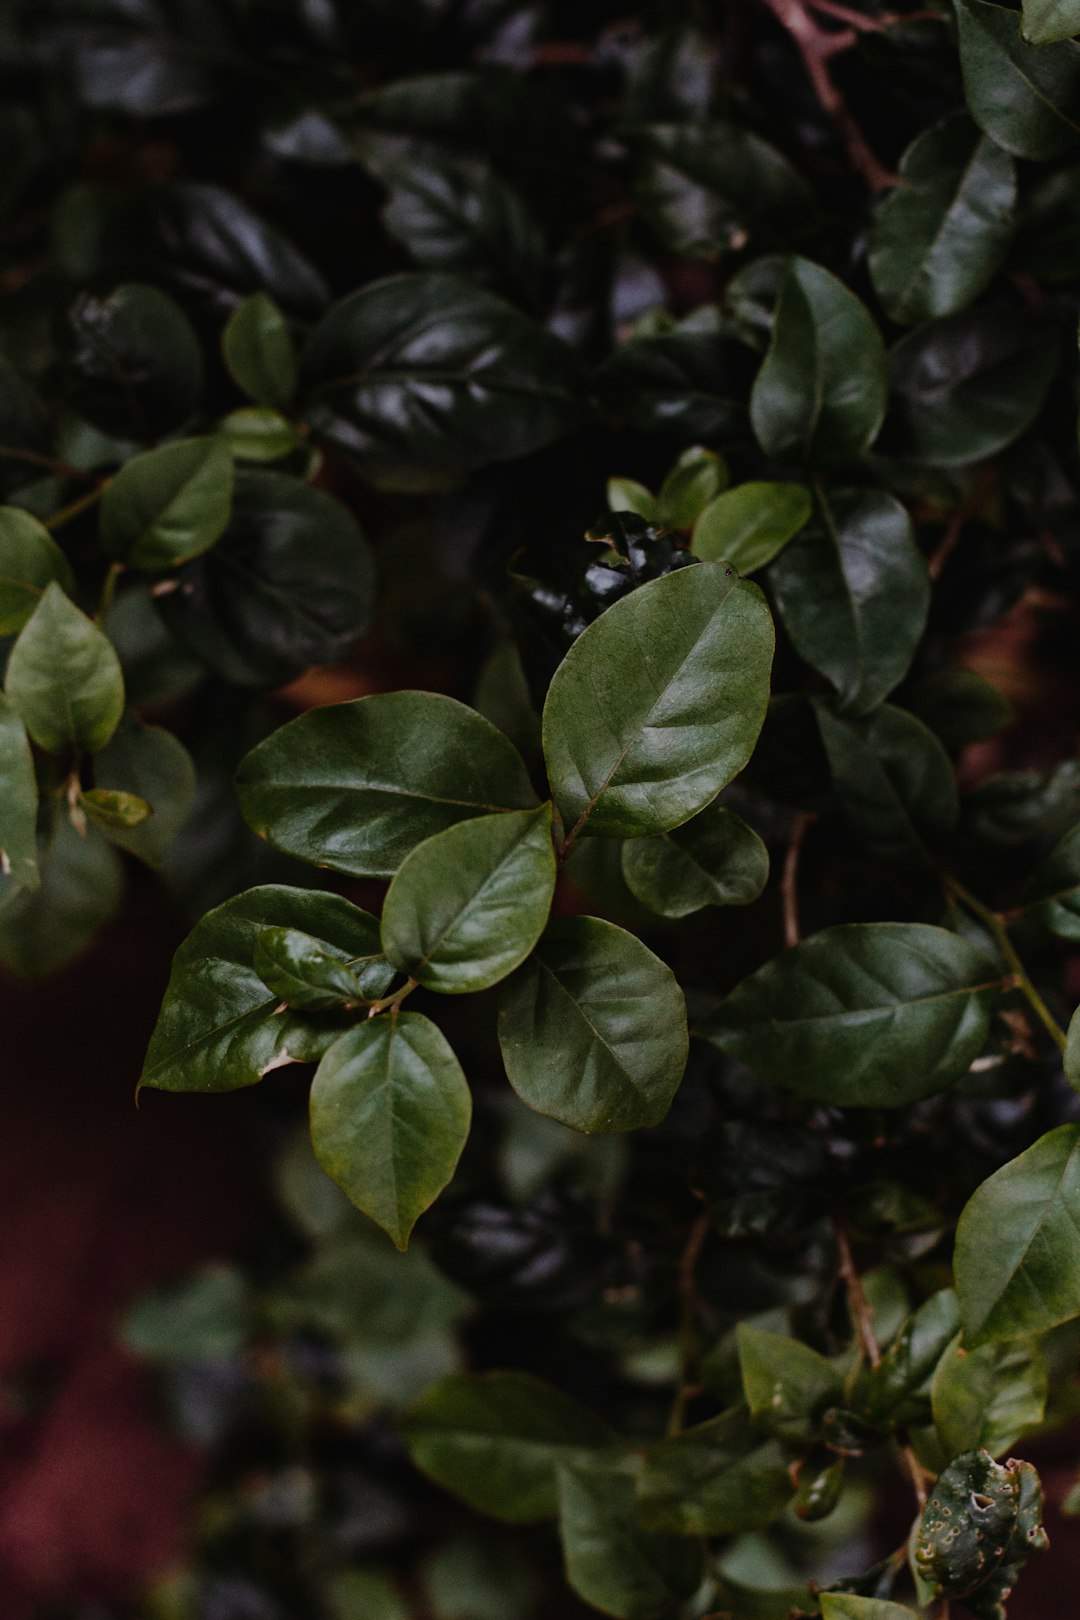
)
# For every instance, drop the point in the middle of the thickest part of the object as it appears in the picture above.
(64, 678)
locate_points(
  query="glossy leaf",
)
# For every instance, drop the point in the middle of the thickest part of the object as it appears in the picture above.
(593, 1028)
(154, 765)
(941, 236)
(30, 560)
(819, 398)
(1045, 22)
(787, 1385)
(134, 363)
(863, 1014)
(308, 976)
(717, 1479)
(895, 786)
(691, 384)
(909, 1361)
(169, 504)
(1023, 96)
(977, 1529)
(989, 1397)
(259, 352)
(219, 1028)
(713, 860)
(390, 1113)
(616, 1567)
(675, 713)
(356, 786)
(1053, 889)
(496, 1440)
(468, 905)
(18, 806)
(64, 678)
(853, 593)
(423, 378)
(1017, 1262)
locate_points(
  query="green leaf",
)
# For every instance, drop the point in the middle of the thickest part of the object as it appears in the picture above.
(705, 187)
(169, 504)
(113, 811)
(257, 434)
(713, 860)
(819, 398)
(895, 785)
(356, 786)
(1023, 96)
(423, 378)
(696, 478)
(853, 593)
(309, 976)
(718, 1479)
(205, 1319)
(988, 1397)
(593, 1028)
(616, 1567)
(134, 365)
(659, 702)
(1072, 1052)
(219, 1028)
(747, 526)
(787, 1385)
(469, 904)
(689, 384)
(1053, 889)
(1017, 1262)
(18, 806)
(154, 765)
(846, 1606)
(959, 706)
(863, 1015)
(365, 1594)
(942, 235)
(966, 386)
(64, 678)
(624, 495)
(496, 1439)
(82, 881)
(908, 1362)
(390, 1114)
(977, 1529)
(258, 350)
(30, 560)
(1046, 22)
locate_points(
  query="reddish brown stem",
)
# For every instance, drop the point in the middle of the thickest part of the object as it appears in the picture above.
(789, 878)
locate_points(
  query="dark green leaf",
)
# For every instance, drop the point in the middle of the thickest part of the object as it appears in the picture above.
(496, 1439)
(205, 1319)
(30, 560)
(81, 884)
(169, 504)
(787, 1385)
(1023, 96)
(23, 426)
(616, 1567)
(988, 1397)
(747, 526)
(1045, 22)
(310, 976)
(941, 236)
(155, 765)
(218, 1028)
(717, 1479)
(713, 860)
(959, 706)
(982, 1521)
(669, 76)
(894, 783)
(423, 378)
(259, 352)
(1017, 1261)
(1053, 889)
(290, 584)
(18, 806)
(819, 398)
(693, 385)
(390, 1114)
(64, 678)
(593, 1028)
(863, 1014)
(909, 1361)
(135, 366)
(356, 786)
(1072, 1052)
(853, 593)
(658, 704)
(469, 904)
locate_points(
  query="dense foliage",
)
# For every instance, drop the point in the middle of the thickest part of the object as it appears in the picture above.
(655, 413)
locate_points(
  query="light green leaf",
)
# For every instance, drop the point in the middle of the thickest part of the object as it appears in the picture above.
(390, 1114)
(940, 237)
(469, 904)
(1017, 1261)
(616, 1567)
(819, 398)
(988, 1397)
(1046, 22)
(18, 806)
(853, 593)
(310, 977)
(113, 811)
(257, 434)
(747, 526)
(863, 1015)
(786, 1384)
(218, 1028)
(1053, 889)
(82, 881)
(356, 786)
(696, 478)
(718, 1479)
(895, 785)
(1023, 96)
(64, 678)
(495, 1439)
(846, 1606)
(624, 495)
(169, 504)
(713, 860)
(153, 764)
(593, 1028)
(259, 353)
(30, 560)
(658, 703)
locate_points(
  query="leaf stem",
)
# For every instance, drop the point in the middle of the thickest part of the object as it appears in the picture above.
(688, 1309)
(789, 878)
(75, 508)
(54, 464)
(108, 589)
(862, 1315)
(392, 1003)
(999, 928)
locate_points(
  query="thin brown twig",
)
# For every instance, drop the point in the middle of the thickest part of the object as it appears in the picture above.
(688, 1310)
(53, 464)
(789, 878)
(862, 1314)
